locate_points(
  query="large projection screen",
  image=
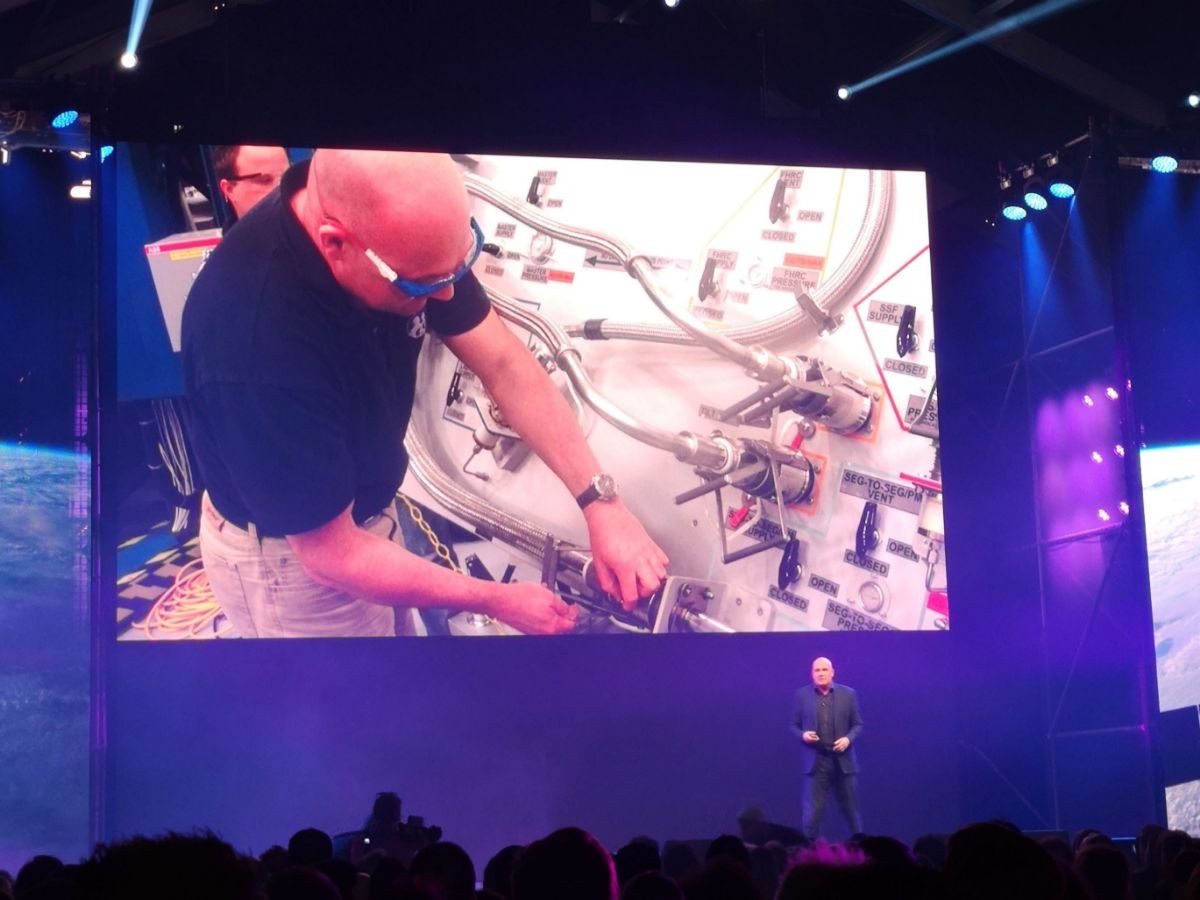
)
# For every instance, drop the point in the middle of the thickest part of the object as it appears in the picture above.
(748, 349)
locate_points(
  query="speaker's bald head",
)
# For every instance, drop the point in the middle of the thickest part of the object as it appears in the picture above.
(405, 206)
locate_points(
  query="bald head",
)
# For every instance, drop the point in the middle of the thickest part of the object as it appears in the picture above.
(411, 209)
(822, 672)
(384, 195)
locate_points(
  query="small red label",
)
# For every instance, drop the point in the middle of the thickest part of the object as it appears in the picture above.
(800, 261)
(559, 275)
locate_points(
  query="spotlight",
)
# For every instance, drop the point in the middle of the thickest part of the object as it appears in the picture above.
(1193, 100)
(1096, 457)
(1124, 507)
(105, 152)
(1059, 175)
(5, 155)
(1102, 515)
(1119, 450)
(1010, 206)
(80, 154)
(1111, 393)
(65, 119)
(1034, 188)
(671, 4)
(129, 60)
(844, 92)
(1164, 164)
(1088, 401)
(81, 191)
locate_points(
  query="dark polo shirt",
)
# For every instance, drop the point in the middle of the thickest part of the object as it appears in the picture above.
(299, 394)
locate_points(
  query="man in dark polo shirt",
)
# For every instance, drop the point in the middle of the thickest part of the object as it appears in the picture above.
(300, 344)
(828, 721)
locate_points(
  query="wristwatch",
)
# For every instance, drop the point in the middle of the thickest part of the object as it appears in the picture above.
(602, 487)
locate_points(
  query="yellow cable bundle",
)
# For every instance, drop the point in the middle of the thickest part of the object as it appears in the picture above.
(185, 608)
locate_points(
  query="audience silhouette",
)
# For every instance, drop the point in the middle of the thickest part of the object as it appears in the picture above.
(983, 861)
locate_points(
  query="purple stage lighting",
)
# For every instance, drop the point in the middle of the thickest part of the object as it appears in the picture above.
(1096, 457)
(1088, 401)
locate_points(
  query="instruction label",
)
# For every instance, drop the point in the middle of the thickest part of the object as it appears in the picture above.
(887, 313)
(900, 367)
(810, 215)
(725, 259)
(839, 617)
(778, 234)
(792, 178)
(539, 274)
(895, 494)
(793, 600)
(792, 280)
(928, 425)
(766, 530)
(824, 585)
(899, 548)
(866, 563)
(506, 229)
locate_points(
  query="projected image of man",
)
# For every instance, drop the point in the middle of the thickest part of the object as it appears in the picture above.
(300, 344)
(828, 721)
(246, 173)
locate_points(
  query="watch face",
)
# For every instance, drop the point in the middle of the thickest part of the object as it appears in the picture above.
(606, 486)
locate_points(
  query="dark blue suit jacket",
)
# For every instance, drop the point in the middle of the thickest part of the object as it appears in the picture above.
(847, 722)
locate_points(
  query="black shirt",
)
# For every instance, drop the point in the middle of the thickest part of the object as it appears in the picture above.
(300, 394)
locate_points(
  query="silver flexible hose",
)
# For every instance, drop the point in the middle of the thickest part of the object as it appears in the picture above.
(754, 359)
(690, 330)
(685, 446)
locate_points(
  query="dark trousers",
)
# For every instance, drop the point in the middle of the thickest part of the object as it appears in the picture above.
(826, 775)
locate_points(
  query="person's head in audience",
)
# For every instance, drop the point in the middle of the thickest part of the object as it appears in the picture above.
(651, 886)
(991, 861)
(497, 874)
(729, 846)
(309, 846)
(753, 824)
(180, 866)
(1103, 870)
(40, 870)
(445, 871)
(635, 858)
(246, 173)
(385, 811)
(568, 863)
(1059, 848)
(274, 859)
(679, 859)
(885, 850)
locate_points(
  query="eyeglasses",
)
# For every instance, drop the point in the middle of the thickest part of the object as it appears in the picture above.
(418, 289)
(262, 179)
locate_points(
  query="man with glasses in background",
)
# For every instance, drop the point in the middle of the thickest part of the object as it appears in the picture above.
(246, 173)
(300, 345)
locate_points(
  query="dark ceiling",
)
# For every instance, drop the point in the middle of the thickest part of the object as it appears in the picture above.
(724, 78)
